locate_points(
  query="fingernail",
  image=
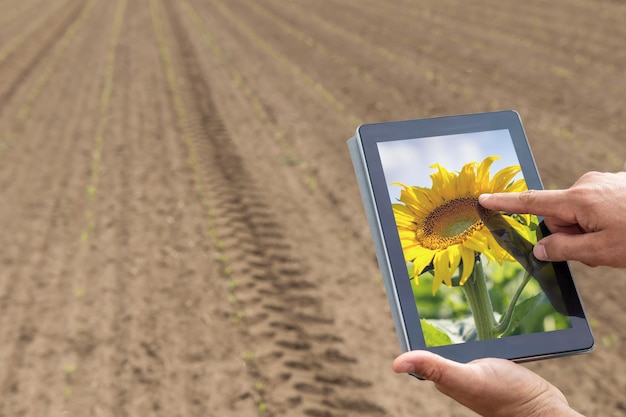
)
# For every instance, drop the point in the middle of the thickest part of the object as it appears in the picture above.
(405, 367)
(540, 252)
(483, 197)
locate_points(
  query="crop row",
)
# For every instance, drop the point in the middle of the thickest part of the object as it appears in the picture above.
(268, 273)
(546, 64)
(452, 72)
(34, 92)
(241, 83)
(283, 135)
(103, 118)
(34, 25)
(184, 122)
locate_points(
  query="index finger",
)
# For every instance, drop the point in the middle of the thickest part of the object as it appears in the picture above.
(539, 202)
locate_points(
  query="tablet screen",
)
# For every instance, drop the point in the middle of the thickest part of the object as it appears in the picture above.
(472, 274)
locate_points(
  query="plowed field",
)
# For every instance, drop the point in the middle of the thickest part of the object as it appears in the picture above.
(181, 232)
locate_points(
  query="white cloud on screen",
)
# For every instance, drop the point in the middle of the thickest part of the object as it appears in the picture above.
(409, 161)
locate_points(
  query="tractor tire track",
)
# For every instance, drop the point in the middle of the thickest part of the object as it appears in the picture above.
(282, 315)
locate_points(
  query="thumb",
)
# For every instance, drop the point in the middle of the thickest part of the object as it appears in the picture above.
(443, 372)
(589, 248)
(490, 387)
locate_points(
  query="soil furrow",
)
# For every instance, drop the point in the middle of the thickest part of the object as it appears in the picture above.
(265, 259)
(17, 15)
(491, 94)
(36, 88)
(16, 70)
(226, 361)
(305, 168)
(551, 74)
(44, 211)
(32, 26)
(30, 284)
(546, 23)
(98, 314)
(23, 185)
(422, 80)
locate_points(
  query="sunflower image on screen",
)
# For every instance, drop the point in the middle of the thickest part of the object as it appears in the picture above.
(481, 286)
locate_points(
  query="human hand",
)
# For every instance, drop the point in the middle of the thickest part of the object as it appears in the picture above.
(490, 387)
(587, 220)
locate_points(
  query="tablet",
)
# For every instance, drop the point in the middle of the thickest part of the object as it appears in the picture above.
(461, 280)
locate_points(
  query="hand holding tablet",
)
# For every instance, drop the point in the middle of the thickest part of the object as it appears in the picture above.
(462, 281)
(490, 387)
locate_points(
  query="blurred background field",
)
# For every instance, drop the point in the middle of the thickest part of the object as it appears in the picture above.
(181, 232)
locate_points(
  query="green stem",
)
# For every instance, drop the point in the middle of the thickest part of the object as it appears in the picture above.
(477, 294)
(505, 321)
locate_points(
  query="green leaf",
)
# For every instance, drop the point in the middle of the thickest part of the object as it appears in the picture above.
(520, 312)
(434, 336)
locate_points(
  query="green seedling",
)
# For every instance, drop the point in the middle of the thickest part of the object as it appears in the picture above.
(238, 318)
(69, 368)
(610, 340)
(311, 181)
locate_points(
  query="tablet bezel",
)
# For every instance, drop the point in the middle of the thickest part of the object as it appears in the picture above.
(577, 339)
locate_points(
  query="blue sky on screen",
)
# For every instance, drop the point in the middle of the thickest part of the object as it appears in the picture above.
(408, 161)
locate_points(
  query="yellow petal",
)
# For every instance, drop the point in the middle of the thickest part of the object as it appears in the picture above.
(421, 261)
(437, 280)
(441, 180)
(428, 198)
(521, 229)
(467, 179)
(442, 270)
(483, 169)
(413, 250)
(517, 186)
(496, 252)
(478, 242)
(454, 253)
(504, 178)
(406, 234)
(403, 215)
(407, 196)
(468, 257)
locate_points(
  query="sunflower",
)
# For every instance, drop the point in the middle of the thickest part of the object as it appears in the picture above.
(440, 226)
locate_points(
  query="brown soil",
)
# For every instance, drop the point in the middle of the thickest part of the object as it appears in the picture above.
(181, 233)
